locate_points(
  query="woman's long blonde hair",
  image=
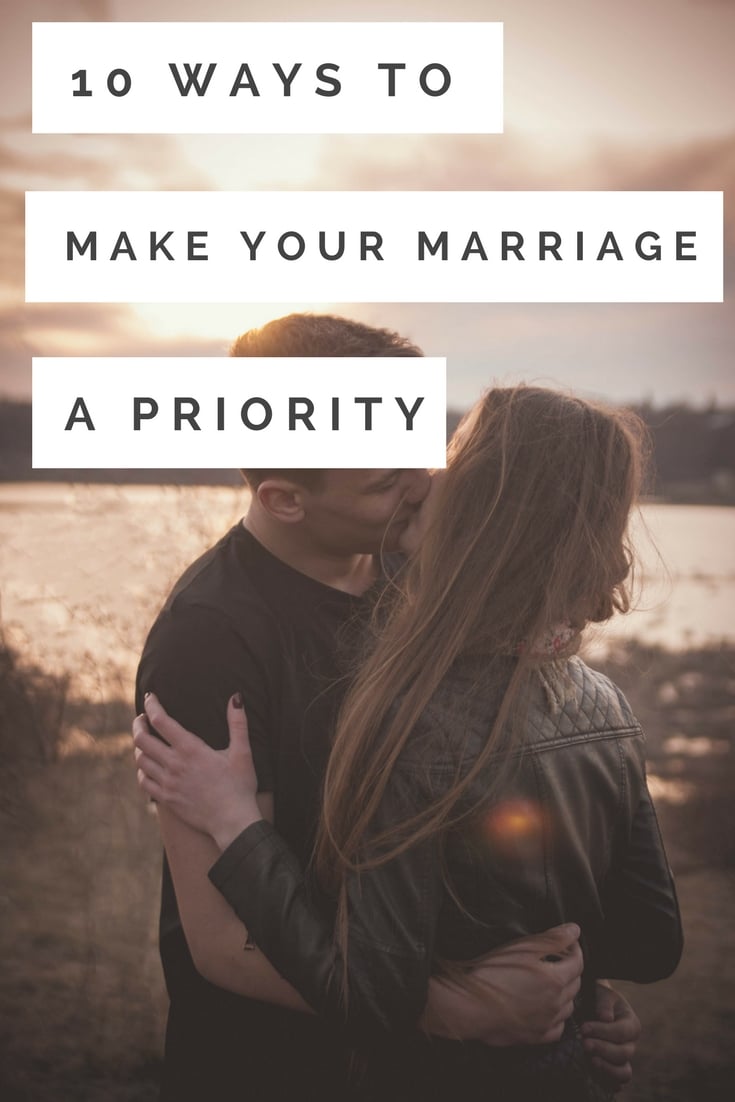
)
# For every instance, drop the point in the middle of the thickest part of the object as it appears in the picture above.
(530, 531)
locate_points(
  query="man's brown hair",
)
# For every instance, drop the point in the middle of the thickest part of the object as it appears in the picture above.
(316, 335)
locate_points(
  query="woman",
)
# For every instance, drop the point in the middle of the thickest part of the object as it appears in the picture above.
(483, 782)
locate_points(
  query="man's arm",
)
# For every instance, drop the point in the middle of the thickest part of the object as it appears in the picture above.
(215, 935)
(195, 662)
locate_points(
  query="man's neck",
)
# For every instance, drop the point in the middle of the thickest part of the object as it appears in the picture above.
(349, 573)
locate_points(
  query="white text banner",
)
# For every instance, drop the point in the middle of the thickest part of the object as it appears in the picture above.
(149, 412)
(332, 247)
(267, 78)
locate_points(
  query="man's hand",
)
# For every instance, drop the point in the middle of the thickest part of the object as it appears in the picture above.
(520, 994)
(610, 1039)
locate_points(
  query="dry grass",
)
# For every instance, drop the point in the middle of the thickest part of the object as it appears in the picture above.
(81, 1000)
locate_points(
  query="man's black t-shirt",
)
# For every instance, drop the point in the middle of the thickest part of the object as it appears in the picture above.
(239, 619)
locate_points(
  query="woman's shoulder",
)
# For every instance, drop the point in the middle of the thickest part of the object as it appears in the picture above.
(569, 697)
(566, 701)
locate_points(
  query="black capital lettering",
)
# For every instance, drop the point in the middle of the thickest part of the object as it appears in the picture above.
(609, 245)
(511, 242)
(192, 77)
(303, 415)
(79, 416)
(241, 82)
(654, 253)
(90, 242)
(340, 245)
(681, 244)
(370, 246)
(123, 246)
(474, 245)
(193, 244)
(300, 245)
(549, 242)
(245, 414)
(409, 414)
(143, 413)
(446, 79)
(336, 86)
(186, 409)
(159, 245)
(252, 245)
(287, 79)
(368, 403)
(392, 67)
(425, 245)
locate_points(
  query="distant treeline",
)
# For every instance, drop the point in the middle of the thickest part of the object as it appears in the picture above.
(693, 455)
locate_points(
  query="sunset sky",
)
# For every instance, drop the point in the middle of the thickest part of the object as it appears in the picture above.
(631, 94)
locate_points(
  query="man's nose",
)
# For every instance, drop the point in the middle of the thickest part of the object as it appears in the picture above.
(417, 486)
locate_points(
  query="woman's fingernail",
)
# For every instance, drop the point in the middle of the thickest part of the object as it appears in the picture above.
(237, 700)
(145, 697)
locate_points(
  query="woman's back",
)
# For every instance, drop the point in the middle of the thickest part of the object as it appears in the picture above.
(571, 836)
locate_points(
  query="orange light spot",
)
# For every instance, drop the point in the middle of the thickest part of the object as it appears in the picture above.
(514, 827)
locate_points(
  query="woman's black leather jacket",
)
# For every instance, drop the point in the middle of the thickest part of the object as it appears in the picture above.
(572, 836)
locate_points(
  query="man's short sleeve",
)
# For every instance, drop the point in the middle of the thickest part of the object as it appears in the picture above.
(194, 661)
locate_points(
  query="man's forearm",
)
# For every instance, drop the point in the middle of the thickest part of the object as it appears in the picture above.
(215, 935)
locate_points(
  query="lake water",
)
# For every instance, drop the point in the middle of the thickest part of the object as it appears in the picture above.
(83, 569)
(686, 579)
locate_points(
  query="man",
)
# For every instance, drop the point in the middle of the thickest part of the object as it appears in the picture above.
(275, 611)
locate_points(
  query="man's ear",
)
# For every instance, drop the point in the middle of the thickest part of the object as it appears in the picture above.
(282, 499)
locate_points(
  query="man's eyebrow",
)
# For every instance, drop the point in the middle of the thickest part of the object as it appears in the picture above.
(382, 480)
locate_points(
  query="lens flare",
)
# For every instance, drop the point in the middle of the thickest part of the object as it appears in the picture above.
(514, 828)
